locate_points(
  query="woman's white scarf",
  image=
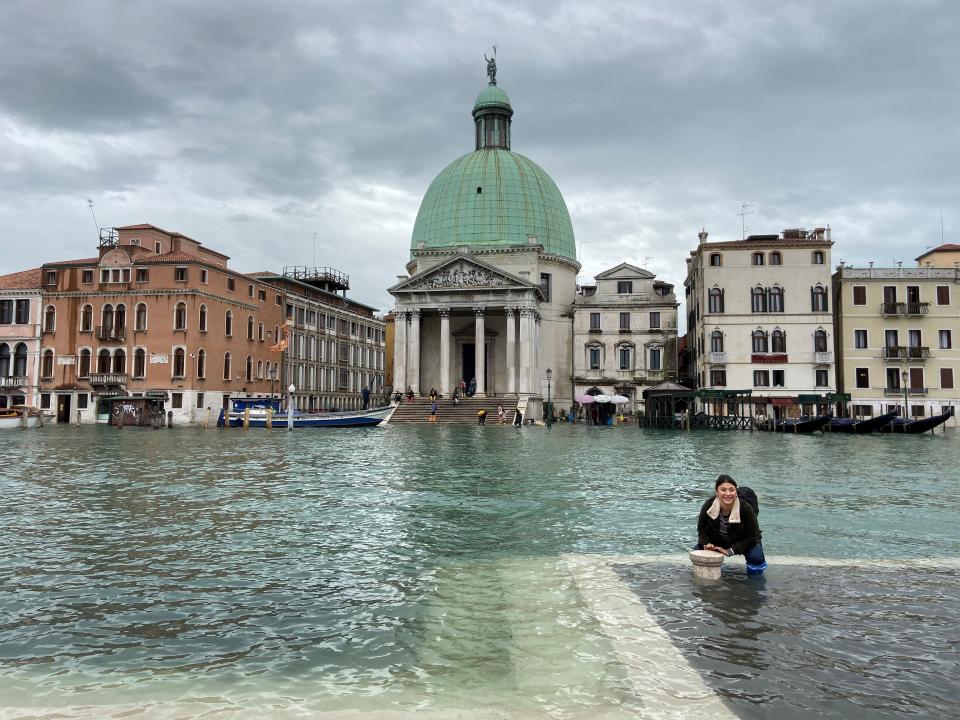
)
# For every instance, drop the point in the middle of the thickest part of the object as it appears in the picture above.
(714, 512)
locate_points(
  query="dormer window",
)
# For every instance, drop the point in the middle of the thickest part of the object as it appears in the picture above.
(624, 287)
(50, 277)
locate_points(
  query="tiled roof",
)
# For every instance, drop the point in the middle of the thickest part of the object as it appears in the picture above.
(23, 280)
(948, 247)
(169, 257)
(81, 261)
(143, 226)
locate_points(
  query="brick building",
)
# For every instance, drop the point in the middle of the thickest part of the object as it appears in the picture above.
(20, 302)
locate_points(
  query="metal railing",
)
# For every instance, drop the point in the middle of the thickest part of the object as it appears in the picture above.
(917, 308)
(893, 308)
(900, 352)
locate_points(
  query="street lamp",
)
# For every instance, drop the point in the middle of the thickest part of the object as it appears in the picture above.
(904, 376)
(272, 372)
(549, 409)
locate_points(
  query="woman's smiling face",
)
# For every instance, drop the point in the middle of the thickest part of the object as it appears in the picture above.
(727, 492)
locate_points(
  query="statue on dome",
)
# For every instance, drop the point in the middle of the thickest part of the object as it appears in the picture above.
(492, 66)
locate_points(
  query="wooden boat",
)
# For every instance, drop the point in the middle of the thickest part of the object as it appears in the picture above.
(921, 425)
(264, 409)
(19, 416)
(866, 425)
(804, 424)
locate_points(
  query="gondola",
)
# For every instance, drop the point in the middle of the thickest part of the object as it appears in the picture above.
(867, 425)
(921, 425)
(793, 425)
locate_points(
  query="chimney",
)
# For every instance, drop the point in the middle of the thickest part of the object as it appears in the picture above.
(703, 236)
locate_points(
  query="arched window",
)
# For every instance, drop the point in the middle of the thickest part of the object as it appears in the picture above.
(716, 259)
(4, 360)
(778, 341)
(260, 331)
(120, 318)
(715, 300)
(103, 361)
(760, 344)
(758, 300)
(249, 327)
(817, 257)
(106, 318)
(46, 364)
(119, 361)
(775, 303)
(20, 360)
(179, 363)
(139, 363)
(228, 324)
(201, 363)
(818, 299)
(140, 317)
(83, 367)
(86, 318)
(180, 316)
(820, 340)
(776, 258)
(227, 366)
(757, 258)
(259, 369)
(203, 318)
(716, 341)
(50, 319)
(249, 369)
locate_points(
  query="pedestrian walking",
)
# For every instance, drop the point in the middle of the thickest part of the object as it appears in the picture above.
(500, 414)
(433, 411)
(481, 417)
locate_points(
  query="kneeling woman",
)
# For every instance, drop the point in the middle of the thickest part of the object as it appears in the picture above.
(729, 526)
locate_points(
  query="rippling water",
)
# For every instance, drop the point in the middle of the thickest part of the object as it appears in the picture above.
(182, 572)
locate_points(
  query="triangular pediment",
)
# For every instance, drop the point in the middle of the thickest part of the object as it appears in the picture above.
(625, 271)
(462, 273)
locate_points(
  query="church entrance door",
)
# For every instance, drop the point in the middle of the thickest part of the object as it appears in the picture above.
(469, 363)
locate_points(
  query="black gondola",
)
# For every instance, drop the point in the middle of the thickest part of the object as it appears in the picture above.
(912, 427)
(867, 425)
(793, 425)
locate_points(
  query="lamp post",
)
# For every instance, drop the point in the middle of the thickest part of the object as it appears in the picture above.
(905, 376)
(272, 372)
(549, 409)
(290, 389)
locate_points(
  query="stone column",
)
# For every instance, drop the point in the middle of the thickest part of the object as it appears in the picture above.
(535, 365)
(399, 352)
(414, 354)
(480, 337)
(526, 314)
(511, 352)
(444, 388)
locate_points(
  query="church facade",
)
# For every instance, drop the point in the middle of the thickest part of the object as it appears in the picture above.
(488, 293)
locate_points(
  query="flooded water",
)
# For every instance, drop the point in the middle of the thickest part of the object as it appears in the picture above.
(471, 572)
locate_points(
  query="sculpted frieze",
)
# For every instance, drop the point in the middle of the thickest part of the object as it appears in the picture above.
(461, 277)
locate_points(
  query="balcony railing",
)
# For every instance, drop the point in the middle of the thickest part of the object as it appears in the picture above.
(822, 357)
(917, 390)
(910, 391)
(899, 352)
(14, 381)
(893, 308)
(108, 378)
(917, 308)
(893, 391)
(111, 333)
(718, 358)
(918, 353)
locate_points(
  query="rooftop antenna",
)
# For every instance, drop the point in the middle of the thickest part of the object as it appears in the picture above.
(96, 225)
(646, 260)
(743, 218)
(941, 225)
(315, 249)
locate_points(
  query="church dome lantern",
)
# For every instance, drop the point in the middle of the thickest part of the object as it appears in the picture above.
(493, 197)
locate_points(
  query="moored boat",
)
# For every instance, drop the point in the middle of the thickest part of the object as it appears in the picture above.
(267, 411)
(793, 425)
(920, 425)
(866, 425)
(19, 416)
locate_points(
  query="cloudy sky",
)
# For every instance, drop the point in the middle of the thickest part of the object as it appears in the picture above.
(275, 130)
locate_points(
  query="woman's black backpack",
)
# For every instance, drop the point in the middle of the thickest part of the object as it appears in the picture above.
(749, 496)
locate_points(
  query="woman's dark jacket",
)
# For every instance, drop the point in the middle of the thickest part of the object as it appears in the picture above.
(745, 534)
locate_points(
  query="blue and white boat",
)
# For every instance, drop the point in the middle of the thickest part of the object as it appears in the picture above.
(264, 410)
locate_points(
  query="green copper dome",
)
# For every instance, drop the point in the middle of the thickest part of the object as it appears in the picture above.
(491, 96)
(493, 197)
